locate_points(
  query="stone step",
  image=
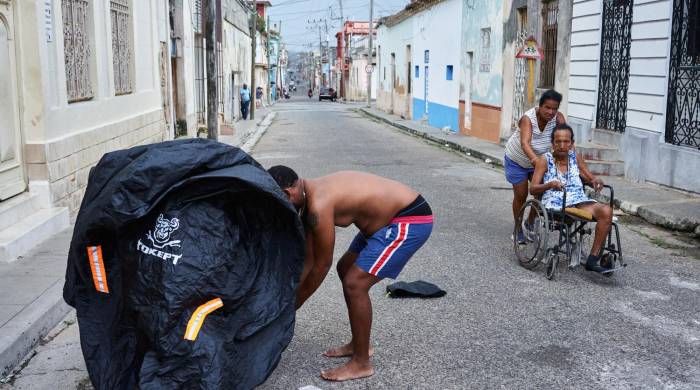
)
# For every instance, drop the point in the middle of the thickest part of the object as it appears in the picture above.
(600, 152)
(30, 231)
(606, 137)
(606, 168)
(18, 207)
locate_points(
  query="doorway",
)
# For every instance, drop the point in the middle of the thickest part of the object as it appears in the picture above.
(409, 79)
(469, 74)
(425, 90)
(12, 178)
(392, 73)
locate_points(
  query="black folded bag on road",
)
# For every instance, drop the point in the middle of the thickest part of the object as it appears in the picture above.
(417, 289)
(183, 268)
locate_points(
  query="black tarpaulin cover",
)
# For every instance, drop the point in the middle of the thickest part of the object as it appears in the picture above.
(183, 268)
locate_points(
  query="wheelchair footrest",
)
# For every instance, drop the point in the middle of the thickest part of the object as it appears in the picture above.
(607, 271)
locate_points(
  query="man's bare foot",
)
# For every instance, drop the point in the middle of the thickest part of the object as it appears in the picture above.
(351, 370)
(342, 351)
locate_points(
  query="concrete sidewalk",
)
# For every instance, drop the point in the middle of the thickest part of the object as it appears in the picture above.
(658, 205)
(246, 133)
(241, 131)
(31, 298)
(31, 288)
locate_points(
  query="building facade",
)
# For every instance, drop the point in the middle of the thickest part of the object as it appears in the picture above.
(237, 56)
(80, 79)
(185, 27)
(436, 68)
(635, 83)
(481, 82)
(352, 61)
(393, 74)
(357, 70)
(273, 47)
(550, 23)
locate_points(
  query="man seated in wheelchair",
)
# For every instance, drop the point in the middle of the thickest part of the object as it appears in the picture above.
(561, 171)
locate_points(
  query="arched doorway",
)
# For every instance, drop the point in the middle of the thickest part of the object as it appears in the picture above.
(12, 179)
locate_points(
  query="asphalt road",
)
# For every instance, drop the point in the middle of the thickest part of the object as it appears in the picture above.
(500, 325)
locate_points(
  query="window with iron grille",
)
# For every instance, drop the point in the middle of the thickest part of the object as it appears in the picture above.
(485, 63)
(520, 71)
(550, 11)
(121, 46)
(197, 17)
(683, 106)
(77, 49)
(694, 30)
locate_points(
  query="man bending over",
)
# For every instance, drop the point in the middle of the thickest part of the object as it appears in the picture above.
(394, 222)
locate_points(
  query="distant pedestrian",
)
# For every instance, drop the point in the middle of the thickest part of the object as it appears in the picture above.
(258, 97)
(245, 101)
(531, 139)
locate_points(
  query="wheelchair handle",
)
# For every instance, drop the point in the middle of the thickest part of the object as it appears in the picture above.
(609, 187)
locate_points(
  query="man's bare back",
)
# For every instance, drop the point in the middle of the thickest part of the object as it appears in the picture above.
(385, 211)
(359, 198)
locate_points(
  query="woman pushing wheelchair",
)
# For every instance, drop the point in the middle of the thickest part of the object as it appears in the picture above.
(558, 176)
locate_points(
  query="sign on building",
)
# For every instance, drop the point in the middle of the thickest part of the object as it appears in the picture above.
(531, 50)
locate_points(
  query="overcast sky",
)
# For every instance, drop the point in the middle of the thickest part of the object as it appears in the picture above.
(300, 16)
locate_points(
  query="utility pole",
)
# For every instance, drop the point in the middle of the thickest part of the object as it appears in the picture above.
(343, 87)
(253, 32)
(320, 54)
(212, 93)
(328, 47)
(369, 54)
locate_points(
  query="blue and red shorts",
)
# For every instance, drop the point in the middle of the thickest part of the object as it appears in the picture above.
(387, 251)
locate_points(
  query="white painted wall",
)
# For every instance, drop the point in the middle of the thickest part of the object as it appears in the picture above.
(61, 119)
(585, 55)
(438, 29)
(651, 28)
(392, 40)
(188, 65)
(237, 53)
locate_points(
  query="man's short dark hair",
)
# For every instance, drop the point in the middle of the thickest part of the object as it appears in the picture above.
(550, 94)
(563, 126)
(284, 176)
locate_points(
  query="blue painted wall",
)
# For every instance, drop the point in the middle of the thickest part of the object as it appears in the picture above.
(440, 115)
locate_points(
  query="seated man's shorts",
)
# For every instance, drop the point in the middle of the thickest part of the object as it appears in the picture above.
(515, 174)
(387, 251)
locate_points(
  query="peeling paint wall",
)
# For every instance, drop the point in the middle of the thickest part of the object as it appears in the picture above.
(488, 62)
(533, 26)
(392, 82)
(481, 57)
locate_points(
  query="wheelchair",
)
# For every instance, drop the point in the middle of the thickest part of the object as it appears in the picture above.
(568, 227)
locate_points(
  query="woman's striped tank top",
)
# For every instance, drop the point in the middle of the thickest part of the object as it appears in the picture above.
(541, 140)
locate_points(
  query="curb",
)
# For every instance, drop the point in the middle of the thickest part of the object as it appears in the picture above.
(641, 211)
(259, 131)
(23, 332)
(494, 160)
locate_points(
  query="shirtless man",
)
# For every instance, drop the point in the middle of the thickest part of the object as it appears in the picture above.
(394, 222)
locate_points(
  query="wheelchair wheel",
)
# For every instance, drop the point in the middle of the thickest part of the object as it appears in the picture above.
(608, 260)
(550, 264)
(532, 226)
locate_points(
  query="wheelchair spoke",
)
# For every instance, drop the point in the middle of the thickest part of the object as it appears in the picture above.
(530, 234)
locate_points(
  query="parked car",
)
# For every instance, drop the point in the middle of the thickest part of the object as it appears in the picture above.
(328, 94)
